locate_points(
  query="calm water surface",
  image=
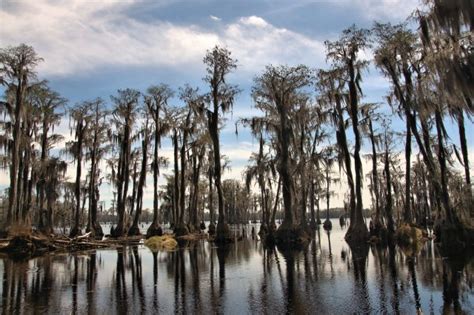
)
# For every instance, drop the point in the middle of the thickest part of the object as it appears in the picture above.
(244, 278)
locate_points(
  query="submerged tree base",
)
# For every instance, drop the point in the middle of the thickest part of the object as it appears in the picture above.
(75, 231)
(134, 231)
(378, 233)
(291, 236)
(327, 225)
(154, 230)
(263, 230)
(357, 234)
(454, 238)
(96, 231)
(118, 231)
(342, 220)
(211, 229)
(223, 235)
(181, 229)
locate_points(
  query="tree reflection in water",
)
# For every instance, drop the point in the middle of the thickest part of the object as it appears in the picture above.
(416, 294)
(452, 271)
(359, 267)
(91, 279)
(245, 277)
(196, 289)
(292, 304)
(379, 254)
(121, 298)
(74, 285)
(394, 277)
(155, 281)
(222, 253)
(137, 278)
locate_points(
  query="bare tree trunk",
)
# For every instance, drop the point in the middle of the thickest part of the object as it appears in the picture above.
(123, 177)
(29, 196)
(134, 188)
(407, 213)
(19, 200)
(92, 224)
(212, 227)
(284, 168)
(311, 200)
(261, 182)
(176, 179)
(304, 190)
(357, 229)
(375, 177)
(388, 202)
(13, 191)
(327, 225)
(222, 231)
(154, 228)
(181, 228)
(75, 230)
(42, 181)
(26, 178)
(121, 225)
(464, 149)
(277, 201)
(134, 229)
(197, 162)
(450, 214)
(342, 142)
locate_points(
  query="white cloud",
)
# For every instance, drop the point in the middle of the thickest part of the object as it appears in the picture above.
(215, 18)
(80, 36)
(379, 9)
(257, 43)
(395, 10)
(254, 21)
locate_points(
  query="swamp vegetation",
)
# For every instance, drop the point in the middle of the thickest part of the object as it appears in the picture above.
(196, 250)
(310, 126)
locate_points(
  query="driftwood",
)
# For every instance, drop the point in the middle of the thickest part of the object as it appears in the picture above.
(27, 246)
(83, 236)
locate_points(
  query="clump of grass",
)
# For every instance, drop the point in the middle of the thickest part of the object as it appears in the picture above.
(409, 235)
(157, 243)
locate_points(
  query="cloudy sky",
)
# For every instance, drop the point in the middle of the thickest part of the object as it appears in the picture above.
(93, 48)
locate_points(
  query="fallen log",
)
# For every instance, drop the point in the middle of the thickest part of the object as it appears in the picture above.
(83, 236)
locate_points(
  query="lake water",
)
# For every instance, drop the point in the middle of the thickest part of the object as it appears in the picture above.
(243, 278)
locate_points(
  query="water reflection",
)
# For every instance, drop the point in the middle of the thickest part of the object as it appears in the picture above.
(292, 302)
(394, 277)
(359, 268)
(454, 272)
(327, 277)
(91, 283)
